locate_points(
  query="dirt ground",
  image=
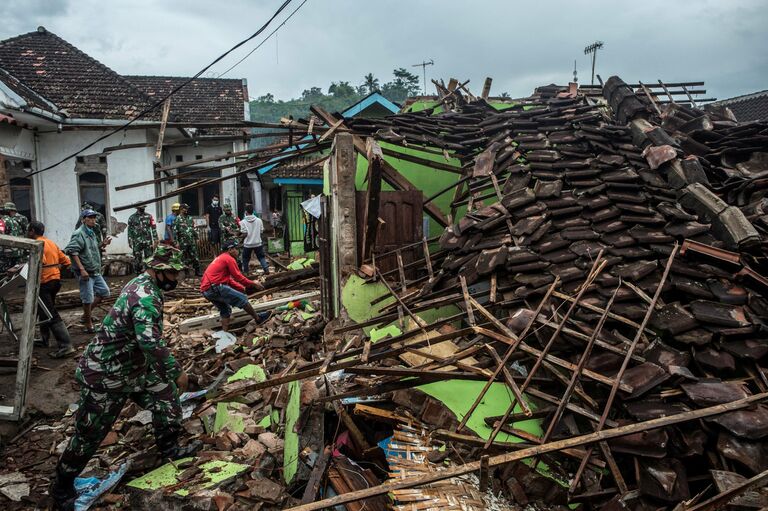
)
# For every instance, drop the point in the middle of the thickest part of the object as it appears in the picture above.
(52, 386)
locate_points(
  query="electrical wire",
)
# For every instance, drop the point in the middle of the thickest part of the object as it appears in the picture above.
(264, 40)
(164, 98)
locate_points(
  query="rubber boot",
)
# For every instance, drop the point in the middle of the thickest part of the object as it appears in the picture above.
(45, 336)
(62, 492)
(168, 445)
(260, 317)
(64, 342)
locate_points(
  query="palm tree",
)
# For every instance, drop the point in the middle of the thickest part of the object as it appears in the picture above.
(371, 83)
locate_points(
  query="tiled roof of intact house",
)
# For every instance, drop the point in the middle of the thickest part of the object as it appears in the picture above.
(749, 107)
(65, 76)
(301, 167)
(204, 99)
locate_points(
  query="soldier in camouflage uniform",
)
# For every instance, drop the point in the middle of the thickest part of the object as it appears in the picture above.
(142, 237)
(101, 222)
(128, 358)
(229, 225)
(16, 224)
(185, 235)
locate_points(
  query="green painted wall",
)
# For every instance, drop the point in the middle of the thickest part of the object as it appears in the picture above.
(426, 179)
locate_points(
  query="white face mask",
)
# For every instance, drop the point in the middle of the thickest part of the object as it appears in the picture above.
(215, 202)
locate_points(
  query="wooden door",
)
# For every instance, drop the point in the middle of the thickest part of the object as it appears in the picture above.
(402, 213)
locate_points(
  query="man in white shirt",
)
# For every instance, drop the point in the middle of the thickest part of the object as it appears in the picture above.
(252, 227)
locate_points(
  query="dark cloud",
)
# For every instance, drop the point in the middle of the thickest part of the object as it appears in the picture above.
(520, 44)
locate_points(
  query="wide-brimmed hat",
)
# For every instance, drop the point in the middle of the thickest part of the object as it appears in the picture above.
(10, 206)
(165, 258)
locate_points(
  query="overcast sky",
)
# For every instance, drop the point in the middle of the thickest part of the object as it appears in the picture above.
(521, 44)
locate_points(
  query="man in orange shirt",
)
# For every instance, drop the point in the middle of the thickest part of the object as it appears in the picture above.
(50, 284)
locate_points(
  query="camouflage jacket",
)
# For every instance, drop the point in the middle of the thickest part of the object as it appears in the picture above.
(129, 354)
(142, 231)
(230, 227)
(16, 225)
(184, 229)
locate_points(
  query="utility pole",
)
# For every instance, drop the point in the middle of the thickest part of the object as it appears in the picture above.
(575, 73)
(592, 48)
(423, 67)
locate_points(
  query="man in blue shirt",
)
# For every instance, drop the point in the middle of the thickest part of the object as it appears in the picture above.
(169, 222)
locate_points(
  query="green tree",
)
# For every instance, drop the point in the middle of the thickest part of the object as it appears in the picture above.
(266, 98)
(341, 90)
(370, 83)
(403, 85)
(312, 94)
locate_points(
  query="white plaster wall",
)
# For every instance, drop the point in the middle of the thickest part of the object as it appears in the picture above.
(189, 153)
(58, 191)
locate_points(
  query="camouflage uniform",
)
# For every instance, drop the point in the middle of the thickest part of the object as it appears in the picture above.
(229, 226)
(101, 223)
(127, 359)
(185, 235)
(15, 225)
(142, 237)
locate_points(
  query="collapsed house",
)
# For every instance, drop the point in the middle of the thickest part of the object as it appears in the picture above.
(582, 324)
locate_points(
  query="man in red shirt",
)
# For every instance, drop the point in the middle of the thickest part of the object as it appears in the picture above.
(224, 285)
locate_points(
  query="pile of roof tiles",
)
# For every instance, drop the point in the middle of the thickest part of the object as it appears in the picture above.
(560, 180)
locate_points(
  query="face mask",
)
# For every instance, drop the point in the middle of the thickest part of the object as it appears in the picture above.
(215, 202)
(165, 284)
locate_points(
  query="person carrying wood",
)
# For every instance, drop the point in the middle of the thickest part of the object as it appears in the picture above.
(224, 285)
(50, 284)
(128, 359)
(142, 237)
(185, 236)
(85, 248)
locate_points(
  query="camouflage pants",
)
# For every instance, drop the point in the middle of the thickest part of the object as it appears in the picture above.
(189, 254)
(140, 252)
(98, 411)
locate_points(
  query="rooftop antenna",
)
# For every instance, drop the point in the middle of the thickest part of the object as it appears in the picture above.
(423, 67)
(592, 48)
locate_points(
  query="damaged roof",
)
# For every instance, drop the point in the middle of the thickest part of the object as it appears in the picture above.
(749, 107)
(204, 99)
(68, 78)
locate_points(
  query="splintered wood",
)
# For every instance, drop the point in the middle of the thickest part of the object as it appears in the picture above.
(408, 454)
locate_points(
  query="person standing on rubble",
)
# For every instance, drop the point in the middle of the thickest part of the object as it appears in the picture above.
(85, 250)
(127, 359)
(229, 225)
(185, 236)
(50, 284)
(16, 224)
(142, 237)
(101, 222)
(212, 214)
(224, 286)
(253, 227)
(169, 220)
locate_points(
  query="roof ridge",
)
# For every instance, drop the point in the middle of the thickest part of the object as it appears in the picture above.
(104, 67)
(184, 77)
(742, 97)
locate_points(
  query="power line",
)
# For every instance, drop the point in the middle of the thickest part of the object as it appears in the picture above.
(264, 40)
(163, 99)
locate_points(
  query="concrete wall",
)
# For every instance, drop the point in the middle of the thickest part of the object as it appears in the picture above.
(57, 190)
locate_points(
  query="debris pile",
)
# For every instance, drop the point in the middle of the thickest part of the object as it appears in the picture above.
(591, 330)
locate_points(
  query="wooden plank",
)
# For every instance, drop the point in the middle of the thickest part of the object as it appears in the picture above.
(487, 88)
(372, 198)
(161, 135)
(214, 320)
(316, 477)
(537, 450)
